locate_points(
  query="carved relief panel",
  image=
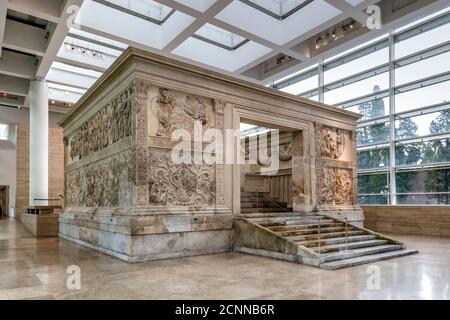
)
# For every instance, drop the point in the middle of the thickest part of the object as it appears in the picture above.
(332, 143)
(171, 110)
(179, 184)
(109, 125)
(334, 167)
(336, 186)
(105, 183)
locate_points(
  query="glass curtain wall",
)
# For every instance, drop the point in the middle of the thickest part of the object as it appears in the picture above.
(400, 83)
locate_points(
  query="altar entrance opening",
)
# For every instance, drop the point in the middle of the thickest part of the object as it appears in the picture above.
(266, 184)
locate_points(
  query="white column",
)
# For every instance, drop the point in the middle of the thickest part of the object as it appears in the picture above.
(38, 96)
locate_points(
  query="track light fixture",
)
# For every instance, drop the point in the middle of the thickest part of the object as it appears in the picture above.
(337, 33)
(83, 51)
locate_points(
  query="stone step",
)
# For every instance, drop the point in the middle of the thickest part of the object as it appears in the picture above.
(305, 226)
(351, 245)
(261, 204)
(298, 224)
(289, 218)
(261, 210)
(333, 256)
(254, 194)
(326, 242)
(294, 222)
(314, 236)
(339, 264)
(311, 231)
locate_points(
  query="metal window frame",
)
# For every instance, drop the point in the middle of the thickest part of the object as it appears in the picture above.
(274, 15)
(218, 44)
(134, 13)
(391, 66)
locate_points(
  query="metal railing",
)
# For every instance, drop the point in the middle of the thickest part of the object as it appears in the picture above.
(319, 232)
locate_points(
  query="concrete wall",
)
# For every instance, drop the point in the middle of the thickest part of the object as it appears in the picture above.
(419, 220)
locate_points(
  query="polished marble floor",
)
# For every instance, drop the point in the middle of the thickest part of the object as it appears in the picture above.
(37, 269)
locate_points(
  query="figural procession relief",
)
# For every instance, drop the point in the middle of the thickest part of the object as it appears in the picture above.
(106, 183)
(110, 125)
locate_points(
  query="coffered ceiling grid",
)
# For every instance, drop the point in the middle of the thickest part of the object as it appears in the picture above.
(71, 59)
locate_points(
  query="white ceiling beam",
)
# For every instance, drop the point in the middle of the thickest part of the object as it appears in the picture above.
(80, 64)
(349, 10)
(72, 79)
(13, 85)
(63, 95)
(25, 38)
(45, 9)
(201, 20)
(17, 65)
(16, 101)
(3, 11)
(287, 47)
(181, 7)
(141, 46)
(57, 39)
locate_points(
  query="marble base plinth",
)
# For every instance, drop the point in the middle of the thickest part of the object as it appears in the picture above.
(137, 236)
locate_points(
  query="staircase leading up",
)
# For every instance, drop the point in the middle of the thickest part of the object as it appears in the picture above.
(259, 202)
(316, 240)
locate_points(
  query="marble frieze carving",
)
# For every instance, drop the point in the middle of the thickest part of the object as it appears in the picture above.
(105, 183)
(109, 125)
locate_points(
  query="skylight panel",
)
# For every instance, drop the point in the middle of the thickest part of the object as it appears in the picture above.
(144, 9)
(220, 37)
(3, 132)
(278, 9)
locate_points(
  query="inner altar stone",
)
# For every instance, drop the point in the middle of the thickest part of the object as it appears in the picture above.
(125, 193)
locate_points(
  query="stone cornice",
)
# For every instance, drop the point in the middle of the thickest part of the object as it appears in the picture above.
(133, 55)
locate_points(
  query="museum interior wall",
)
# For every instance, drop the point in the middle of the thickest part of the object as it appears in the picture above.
(56, 166)
(125, 195)
(11, 166)
(405, 219)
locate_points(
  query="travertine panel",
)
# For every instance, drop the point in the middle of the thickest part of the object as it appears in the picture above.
(55, 165)
(409, 219)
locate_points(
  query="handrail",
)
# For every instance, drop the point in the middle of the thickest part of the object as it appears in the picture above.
(318, 234)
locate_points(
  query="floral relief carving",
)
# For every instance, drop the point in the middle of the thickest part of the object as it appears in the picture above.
(179, 184)
(337, 186)
(332, 143)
